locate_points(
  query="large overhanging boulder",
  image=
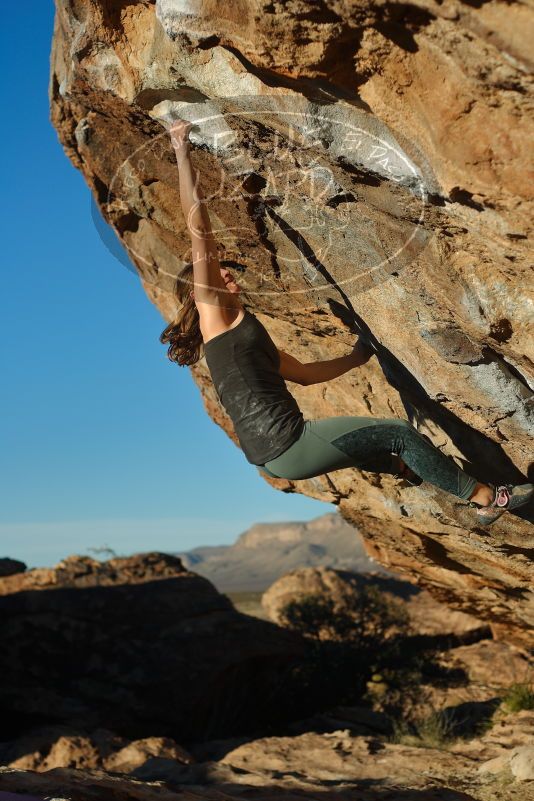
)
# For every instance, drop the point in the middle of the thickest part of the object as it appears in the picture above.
(365, 165)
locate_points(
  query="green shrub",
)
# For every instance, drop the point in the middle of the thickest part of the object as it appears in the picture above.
(519, 696)
(434, 731)
(361, 617)
(360, 649)
(349, 640)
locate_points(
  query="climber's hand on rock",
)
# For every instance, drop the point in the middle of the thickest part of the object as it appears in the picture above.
(362, 352)
(179, 132)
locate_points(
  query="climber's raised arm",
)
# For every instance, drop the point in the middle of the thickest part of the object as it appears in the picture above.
(208, 284)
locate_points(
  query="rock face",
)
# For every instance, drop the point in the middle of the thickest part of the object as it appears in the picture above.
(365, 169)
(138, 645)
(267, 551)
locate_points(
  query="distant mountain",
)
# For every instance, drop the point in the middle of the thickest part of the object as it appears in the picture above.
(266, 551)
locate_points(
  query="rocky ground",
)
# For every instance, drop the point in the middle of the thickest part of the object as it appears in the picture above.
(346, 753)
(338, 764)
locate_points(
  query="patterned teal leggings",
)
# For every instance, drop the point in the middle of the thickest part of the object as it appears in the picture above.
(368, 443)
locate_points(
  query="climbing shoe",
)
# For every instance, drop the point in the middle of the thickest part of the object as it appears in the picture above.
(505, 498)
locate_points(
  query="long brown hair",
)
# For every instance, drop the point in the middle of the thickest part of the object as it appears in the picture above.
(183, 333)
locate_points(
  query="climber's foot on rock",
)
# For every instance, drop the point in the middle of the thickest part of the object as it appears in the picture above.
(505, 498)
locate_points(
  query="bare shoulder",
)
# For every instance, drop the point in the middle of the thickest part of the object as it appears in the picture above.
(215, 320)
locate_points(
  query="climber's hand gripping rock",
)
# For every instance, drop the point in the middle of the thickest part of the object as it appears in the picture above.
(362, 351)
(179, 132)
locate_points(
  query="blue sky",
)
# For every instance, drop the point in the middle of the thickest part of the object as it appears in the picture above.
(104, 442)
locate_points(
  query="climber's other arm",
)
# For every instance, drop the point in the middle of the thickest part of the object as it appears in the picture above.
(209, 286)
(317, 372)
(291, 369)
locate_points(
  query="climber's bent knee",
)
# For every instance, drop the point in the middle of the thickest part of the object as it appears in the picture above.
(368, 443)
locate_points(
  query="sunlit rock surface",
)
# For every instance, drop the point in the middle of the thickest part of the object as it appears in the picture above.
(366, 166)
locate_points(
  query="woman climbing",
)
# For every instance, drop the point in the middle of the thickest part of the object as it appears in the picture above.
(249, 374)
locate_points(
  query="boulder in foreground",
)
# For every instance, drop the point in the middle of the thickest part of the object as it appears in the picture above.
(138, 645)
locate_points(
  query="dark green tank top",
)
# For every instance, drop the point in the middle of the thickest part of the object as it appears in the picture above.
(244, 366)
